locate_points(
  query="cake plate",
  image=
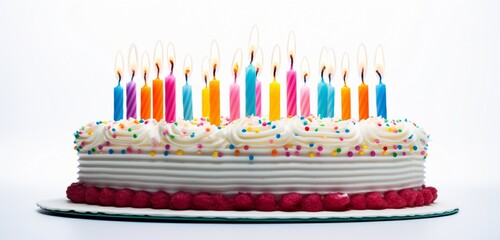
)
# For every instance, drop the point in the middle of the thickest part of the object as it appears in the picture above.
(64, 207)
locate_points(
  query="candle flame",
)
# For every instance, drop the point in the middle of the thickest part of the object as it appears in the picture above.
(188, 65)
(171, 56)
(379, 61)
(158, 57)
(253, 42)
(362, 61)
(323, 59)
(119, 66)
(291, 47)
(237, 59)
(345, 67)
(332, 62)
(204, 69)
(214, 56)
(276, 59)
(259, 59)
(305, 68)
(132, 60)
(145, 65)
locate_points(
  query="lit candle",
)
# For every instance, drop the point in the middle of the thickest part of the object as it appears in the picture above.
(187, 91)
(118, 90)
(251, 75)
(346, 91)
(305, 104)
(234, 89)
(258, 86)
(158, 84)
(131, 86)
(331, 89)
(380, 89)
(145, 90)
(170, 86)
(291, 80)
(205, 92)
(363, 88)
(274, 87)
(214, 86)
(322, 88)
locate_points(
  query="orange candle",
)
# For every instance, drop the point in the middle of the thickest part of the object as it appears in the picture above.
(346, 91)
(363, 101)
(158, 84)
(214, 86)
(363, 88)
(274, 88)
(205, 92)
(145, 90)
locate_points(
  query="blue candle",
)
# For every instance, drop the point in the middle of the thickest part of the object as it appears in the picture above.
(322, 98)
(331, 100)
(250, 79)
(381, 99)
(118, 104)
(187, 97)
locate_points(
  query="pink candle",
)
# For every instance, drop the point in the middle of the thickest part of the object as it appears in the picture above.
(291, 93)
(305, 102)
(258, 99)
(170, 98)
(234, 101)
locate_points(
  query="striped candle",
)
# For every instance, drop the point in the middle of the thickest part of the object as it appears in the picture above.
(131, 100)
(291, 92)
(170, 98)
(258, 98)
(187, 101)
(234, 101)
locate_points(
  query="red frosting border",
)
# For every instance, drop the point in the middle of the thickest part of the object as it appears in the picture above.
(314, 202)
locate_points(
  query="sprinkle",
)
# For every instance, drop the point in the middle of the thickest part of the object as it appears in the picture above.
(306, 128)
(114, 135)
(139, 151)
(152, 153)
(384, 153)
(422, 153)
(364, 146)
(372, 153)
(215, 154)
(415, 148)
(311, 154)
(246, 147)
(334, 153)
(100, 147)
(257, 130)
(273, 127)
(108, 143)
(318, 154)
(231, 146)
(320, 148)
(316, 129)
(249, 128)
(271, 141)
(400, 147)
(339, 150)
(278, 135)
(129, 149)
(220, 154)
(394, 154)
(385, 148)
(357, 148)
(377, 141)
(135, 135)
(192, 135)
(250, 157)
(89, 152)
(347, 130)
(113, 129)
(404, 153)
(361, 153)
(111, 151)
(200, 146)
(274, 152)
(287, 154)
(130, 129)
(350, 154)
(179, 152)
(285, 147)
(167, 146)
(243, 130)
(297, 153)
(207, 129)
(123, 151)
(298, 147)
(237, 152)
(165, 153)
(341, 139)
(172, 136)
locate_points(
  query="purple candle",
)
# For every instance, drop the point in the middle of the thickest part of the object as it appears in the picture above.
(131, 100)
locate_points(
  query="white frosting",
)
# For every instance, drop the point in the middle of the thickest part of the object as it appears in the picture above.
(251, 154)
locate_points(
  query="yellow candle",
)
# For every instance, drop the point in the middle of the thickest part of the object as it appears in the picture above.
(146, 102)
(215, 102)
(205, 102)
(363, 101)
(346, 102)
(274, 100)
(158, 99)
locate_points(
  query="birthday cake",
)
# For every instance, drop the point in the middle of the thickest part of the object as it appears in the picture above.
(292, 164)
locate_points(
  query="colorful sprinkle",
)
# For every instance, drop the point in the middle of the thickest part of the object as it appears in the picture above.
(111, 151)
(135, 135)
(167, 146)
(246, 147)
(311, 144)
(200, 146)
(231, 146)
(278, 135)
(287, 154)
(394, 154)
(180, 152)
(165, 153)
(320, 148)
(298, 147)
(220, 154)
(311, 154)
(350, 154)
(215, 154)
(250, 157)
(357, 148)
(237, 152)
(152, 153)
(339, 150)
(274, 152)
(123, 151)
(372, 153)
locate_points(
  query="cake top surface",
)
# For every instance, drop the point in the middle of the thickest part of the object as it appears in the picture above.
(251, 137)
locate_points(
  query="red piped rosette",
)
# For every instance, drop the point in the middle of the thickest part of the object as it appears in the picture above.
(290, 202)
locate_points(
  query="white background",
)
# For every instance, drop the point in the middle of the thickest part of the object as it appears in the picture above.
(57, 73)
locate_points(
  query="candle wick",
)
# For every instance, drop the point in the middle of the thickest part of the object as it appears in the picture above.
(119, 77)
(345, 75)
(205, 78)
(379, 76)
(251, 57)
(186, 76)
(215, 69)
(257, 71)
(157, 70)
(171, 67)
(363, 75)
(305, 77)
(291, 61)
(330, 78)
(145, 77)
(322, 71)
(274, 72)
(133, 75)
